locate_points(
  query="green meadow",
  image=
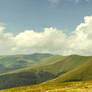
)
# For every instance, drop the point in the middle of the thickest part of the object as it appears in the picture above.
(48, 72)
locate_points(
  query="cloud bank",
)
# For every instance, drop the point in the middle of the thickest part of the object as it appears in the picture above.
(51, 40)
(54, 1)
(57, 1)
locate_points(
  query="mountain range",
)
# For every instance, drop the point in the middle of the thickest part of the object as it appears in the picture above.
(39, 69)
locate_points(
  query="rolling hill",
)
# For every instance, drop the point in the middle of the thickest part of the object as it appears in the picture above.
(81, 73)
(56, 69)
(13, 62)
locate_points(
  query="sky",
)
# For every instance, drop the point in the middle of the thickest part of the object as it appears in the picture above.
(46, 26)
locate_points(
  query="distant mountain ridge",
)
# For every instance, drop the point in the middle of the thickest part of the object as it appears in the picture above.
(13, 62)
(56, 69)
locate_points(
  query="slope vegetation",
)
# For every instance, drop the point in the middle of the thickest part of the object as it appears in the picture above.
(81, 73)
(63, 87)
(13, 62)
(62, 66)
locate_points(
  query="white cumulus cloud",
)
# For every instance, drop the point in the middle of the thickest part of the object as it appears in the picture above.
(6, 41)
(51, 40)
(80, 42)
(54, 1)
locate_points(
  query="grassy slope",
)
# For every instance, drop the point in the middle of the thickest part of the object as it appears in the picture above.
(81, 73)
(13, 62)
(64, 64)
(62, 87)
(40, 74)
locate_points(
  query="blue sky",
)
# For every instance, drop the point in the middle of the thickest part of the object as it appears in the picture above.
(18, 15)
(46, 26)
